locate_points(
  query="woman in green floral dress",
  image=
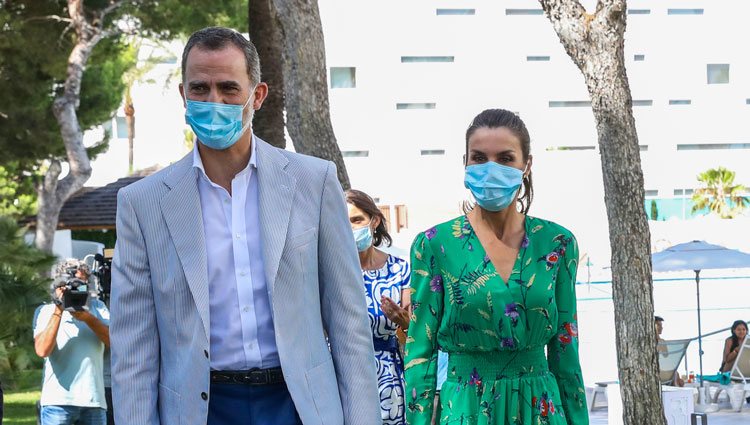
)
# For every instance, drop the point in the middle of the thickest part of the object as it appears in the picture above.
(493, 288)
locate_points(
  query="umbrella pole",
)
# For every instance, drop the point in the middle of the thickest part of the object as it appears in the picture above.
(700, 336)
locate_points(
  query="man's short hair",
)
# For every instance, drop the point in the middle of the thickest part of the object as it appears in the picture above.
(658, 319)
(218, 38)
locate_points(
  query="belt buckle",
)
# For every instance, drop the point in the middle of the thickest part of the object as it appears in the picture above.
(254, 377)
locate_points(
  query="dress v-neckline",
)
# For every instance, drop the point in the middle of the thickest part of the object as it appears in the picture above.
(524, 245)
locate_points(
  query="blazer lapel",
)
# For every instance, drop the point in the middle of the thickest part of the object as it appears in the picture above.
(181, 208)
(275, 195)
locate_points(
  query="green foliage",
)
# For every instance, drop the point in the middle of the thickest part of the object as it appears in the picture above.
(33, 57)
(719, 193)
(168, 19)
(654, 210)
(102, 85)
(17, 192)
(107, 237)
(22, 288)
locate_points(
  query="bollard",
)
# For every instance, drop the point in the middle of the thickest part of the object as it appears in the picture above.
(694, 418)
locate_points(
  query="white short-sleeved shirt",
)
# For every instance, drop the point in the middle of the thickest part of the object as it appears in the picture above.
(73, 373)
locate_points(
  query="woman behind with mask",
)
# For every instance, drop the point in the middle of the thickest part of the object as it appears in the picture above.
(493, 288)
(386, 280)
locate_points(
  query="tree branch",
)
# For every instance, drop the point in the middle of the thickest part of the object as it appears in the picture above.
(48, 18)
(573, 26)
(114, 5)
(109, 9)
(569, 18)
(610, 6)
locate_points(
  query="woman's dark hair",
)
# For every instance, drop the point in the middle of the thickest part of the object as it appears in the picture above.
(736, 341)
(364, 202)
(497, 118)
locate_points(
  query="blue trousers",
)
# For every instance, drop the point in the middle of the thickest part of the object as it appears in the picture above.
(73, 415)
(237, 404)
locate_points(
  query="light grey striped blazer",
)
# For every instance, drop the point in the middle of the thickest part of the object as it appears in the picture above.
(160, 312)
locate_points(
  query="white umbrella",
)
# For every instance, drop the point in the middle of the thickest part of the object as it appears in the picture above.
(697, 256)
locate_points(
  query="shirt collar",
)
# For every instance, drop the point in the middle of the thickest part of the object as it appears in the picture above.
(198, 162)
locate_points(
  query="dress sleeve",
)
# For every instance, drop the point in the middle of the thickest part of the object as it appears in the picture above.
(421, 344)
(405, 276)
(562, 349)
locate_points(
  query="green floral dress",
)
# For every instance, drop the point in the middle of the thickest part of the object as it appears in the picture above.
(495, 332)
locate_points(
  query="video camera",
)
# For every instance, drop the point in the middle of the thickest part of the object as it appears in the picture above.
(103, 273)
(75, 296)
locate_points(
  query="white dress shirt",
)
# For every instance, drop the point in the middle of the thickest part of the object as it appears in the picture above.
(242, 333)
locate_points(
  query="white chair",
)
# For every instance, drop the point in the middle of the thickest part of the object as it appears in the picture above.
(670, 355)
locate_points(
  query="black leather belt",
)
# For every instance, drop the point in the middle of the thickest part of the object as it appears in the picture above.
(248, 377)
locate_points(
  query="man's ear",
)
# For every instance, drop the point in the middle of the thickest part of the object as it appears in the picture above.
(182, 94)
(261, 92)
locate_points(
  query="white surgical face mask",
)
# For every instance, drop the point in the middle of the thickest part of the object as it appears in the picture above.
(363, 237)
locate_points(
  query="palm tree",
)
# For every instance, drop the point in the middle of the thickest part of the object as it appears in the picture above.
(719, 193)
(22, 288)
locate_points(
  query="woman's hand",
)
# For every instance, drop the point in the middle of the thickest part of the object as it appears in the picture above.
(395, 312)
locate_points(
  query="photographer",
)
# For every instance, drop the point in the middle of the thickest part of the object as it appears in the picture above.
(70, 334)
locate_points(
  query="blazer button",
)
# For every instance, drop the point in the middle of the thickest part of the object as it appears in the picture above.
(204, 396)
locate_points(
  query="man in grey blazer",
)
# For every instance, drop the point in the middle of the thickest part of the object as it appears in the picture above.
(234, 269)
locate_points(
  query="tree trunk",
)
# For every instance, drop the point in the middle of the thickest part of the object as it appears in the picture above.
(596, 44)
(268, 123)
(306, 82)
(130, 122)
(53, 192)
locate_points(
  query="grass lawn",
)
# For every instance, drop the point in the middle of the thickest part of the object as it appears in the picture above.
(20, 403)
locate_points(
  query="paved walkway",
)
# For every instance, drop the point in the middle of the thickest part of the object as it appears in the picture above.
(722, 417)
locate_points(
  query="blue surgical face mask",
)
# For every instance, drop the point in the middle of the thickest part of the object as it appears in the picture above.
(494, 186)
(217, 125)
(363, 237)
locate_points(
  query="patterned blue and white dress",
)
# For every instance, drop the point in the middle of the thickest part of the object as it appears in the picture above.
(389, 280)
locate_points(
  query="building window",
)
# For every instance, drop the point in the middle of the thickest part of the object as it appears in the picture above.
(386, 210)
(569, 103)
(712, 146)
(416, 105)
(587, 103)
(524, 12)
(639, 11)
(454, 12)
(683, 192)
(652, 193)
(717, 73)
(343, 77)
(537, 58)
(684, 11)
(680, 101)
(427, 152)
(122, 128)
(571, 148)
(747, 101)
(419, 59)
(402, 218)
(639, 58)
(355, 154)
(643, 148)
